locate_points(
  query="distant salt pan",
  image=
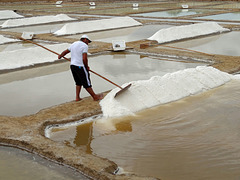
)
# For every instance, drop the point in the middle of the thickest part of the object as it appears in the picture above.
(36, 20)
(4, 40)
(187, 31)
(97, 25)
(162, 89)
(30, 56)
(8, 14)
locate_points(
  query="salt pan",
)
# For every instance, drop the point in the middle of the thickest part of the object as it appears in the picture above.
(30, 56)
(160, 90)
(187, 31)
(4, 40)
(97, 25)
(8, 14)
(36, 20)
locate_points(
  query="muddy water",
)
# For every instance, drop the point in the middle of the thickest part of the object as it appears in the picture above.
(28, 91)
(17, 164)
(194, 138)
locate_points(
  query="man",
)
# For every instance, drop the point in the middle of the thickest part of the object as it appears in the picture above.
(79, 67)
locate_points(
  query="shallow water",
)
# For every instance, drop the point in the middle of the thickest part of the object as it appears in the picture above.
(194, 138)
(235, 16)
(51, 85)
(174, 13)
(223, 44)
(17, 164)
(126, 34)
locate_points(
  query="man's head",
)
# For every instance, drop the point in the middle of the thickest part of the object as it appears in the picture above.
(85, 39)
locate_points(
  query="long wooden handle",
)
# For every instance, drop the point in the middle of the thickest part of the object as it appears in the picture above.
(105, 78)
(69, 60)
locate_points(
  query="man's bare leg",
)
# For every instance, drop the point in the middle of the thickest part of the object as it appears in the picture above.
(78, 90)
(95, 97)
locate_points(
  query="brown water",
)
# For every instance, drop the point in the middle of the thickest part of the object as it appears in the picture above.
(194, 138)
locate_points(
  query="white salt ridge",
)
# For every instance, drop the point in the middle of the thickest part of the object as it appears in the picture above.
(36, 20)
(160, 90)
(30, 56)
(9, 14)
(187, 31)
(4, 40)
(97, 25)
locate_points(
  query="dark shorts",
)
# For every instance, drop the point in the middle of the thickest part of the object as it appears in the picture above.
(81, 76)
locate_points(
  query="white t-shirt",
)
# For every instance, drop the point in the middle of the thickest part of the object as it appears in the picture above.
(77, 49)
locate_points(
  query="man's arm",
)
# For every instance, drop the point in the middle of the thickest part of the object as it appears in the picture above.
(63, 53)
(85, 60)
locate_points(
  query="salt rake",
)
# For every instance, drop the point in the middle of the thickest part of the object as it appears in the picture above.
(117, 93)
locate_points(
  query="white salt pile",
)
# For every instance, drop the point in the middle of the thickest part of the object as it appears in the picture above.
(160, 90)
(4, 40)
(30, 56)
(36, 20)
(97, 25)
(9, 14)
(187, 31)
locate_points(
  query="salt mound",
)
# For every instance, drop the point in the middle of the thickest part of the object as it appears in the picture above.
(8, 14)
(160, 90)
(4, 40)
(97, 25)
(36, 20)
(30, 56)
(187, 31)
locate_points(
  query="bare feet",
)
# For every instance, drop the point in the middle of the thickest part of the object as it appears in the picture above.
(78, 99)
(98, 97)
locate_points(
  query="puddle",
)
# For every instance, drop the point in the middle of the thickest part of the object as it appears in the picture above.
(174, 13)
(17, 164)
(52, 88)
(222, 44)
(235, 16)
(194, 137)
(126, 34)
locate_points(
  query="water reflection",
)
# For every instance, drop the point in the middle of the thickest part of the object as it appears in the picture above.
(84, 136)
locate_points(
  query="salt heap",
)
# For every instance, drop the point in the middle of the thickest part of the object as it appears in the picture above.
(160, 90)
(4, 40)
(30, 56)
(8, 14)
(187, 31)
(97, 25)
(36, 20)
